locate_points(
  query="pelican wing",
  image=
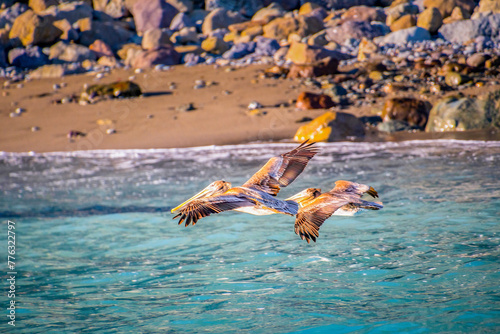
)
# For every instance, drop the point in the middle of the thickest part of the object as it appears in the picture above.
(312, 216)
(199, 208)
(282, 170)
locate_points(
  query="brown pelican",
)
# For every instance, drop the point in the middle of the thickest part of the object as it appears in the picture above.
(256, 196)
(345, 196)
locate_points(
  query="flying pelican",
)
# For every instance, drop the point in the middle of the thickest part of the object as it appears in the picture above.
(345, 196)
(256, 196)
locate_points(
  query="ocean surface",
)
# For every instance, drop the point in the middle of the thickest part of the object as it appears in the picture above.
(97, 250)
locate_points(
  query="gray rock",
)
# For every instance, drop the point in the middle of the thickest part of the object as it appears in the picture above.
(49, 71)
(239, 50)
(29, 57)
(403, 36)
(266, 46)
(353, 30)
(180, 21)
(459, 114)
(165, 55)
(220, 18)
(394, 126)
(64, 52)
(152, 14)
(466, 30)
(191, 59)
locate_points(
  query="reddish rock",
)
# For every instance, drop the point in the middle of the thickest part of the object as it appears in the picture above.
(308, 100)
(165, 55)
(101, 49)
(412, 111)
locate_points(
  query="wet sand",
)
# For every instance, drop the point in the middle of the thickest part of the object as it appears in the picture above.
(153, 121)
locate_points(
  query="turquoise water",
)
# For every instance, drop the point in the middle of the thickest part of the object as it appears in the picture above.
(97, 249)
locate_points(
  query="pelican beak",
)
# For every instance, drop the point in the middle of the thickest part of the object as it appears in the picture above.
(201, 194)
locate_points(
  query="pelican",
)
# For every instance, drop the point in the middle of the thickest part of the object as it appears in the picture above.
(345, 196)
(257, 195)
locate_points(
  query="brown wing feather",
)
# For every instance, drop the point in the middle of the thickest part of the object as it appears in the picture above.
(282, 170)
(312, 216)
(203, 207)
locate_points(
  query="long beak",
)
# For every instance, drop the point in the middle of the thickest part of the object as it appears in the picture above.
(201, 194)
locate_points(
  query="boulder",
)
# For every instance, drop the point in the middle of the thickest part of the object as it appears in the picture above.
(185, 36)
(457, 14)
(152, 14)
(101, 49)
(445, 7)
(252, 32)
(269, 13)
(165, 55)
(239, 50)
(49, 72)
(463, 31)
(304, 54)
(219, 18)
(71, 11)
(325, 66)
(68, 32)
(214, 45)
(465, 113)
(353, 30)
(32, 29)
(404, 22)
(29, 57)
(114, 8)
(307, 100)
(415, 34)
(41, 5)
(487, 6)
(64, 52)
(364, 13)
(430, 19)
(399, 10)
(124, 50)
(111, 33)
(331, 126)
(155, 38)
(280, 28)
(412, 111)
(266, 46)
(180, 21)
(184, 6)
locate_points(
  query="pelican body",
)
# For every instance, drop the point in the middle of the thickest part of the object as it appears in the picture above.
(257, 195)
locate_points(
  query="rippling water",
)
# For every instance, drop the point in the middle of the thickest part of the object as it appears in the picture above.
(97, 250)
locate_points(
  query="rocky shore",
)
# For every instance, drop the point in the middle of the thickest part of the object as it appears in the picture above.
(107, 74)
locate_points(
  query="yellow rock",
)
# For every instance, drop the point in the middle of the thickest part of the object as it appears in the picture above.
(230, 36)
(252, 32)
(316, 130)
(366, 49)
(105, 121)
(307, 8)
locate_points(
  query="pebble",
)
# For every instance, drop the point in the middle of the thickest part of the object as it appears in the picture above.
(110, 131)
(35, 128)
(254, 105)
(186, 107)
(198, 84)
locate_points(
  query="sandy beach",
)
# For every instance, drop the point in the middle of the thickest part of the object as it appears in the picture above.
(155, 120)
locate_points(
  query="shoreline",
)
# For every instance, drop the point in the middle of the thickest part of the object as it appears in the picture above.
(156, 120)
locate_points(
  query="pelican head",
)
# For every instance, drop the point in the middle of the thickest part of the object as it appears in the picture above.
(214, 188)
(305, 196)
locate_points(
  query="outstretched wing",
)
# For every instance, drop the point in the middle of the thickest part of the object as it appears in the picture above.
(282, 170)
(312, 216)
(199, 208)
